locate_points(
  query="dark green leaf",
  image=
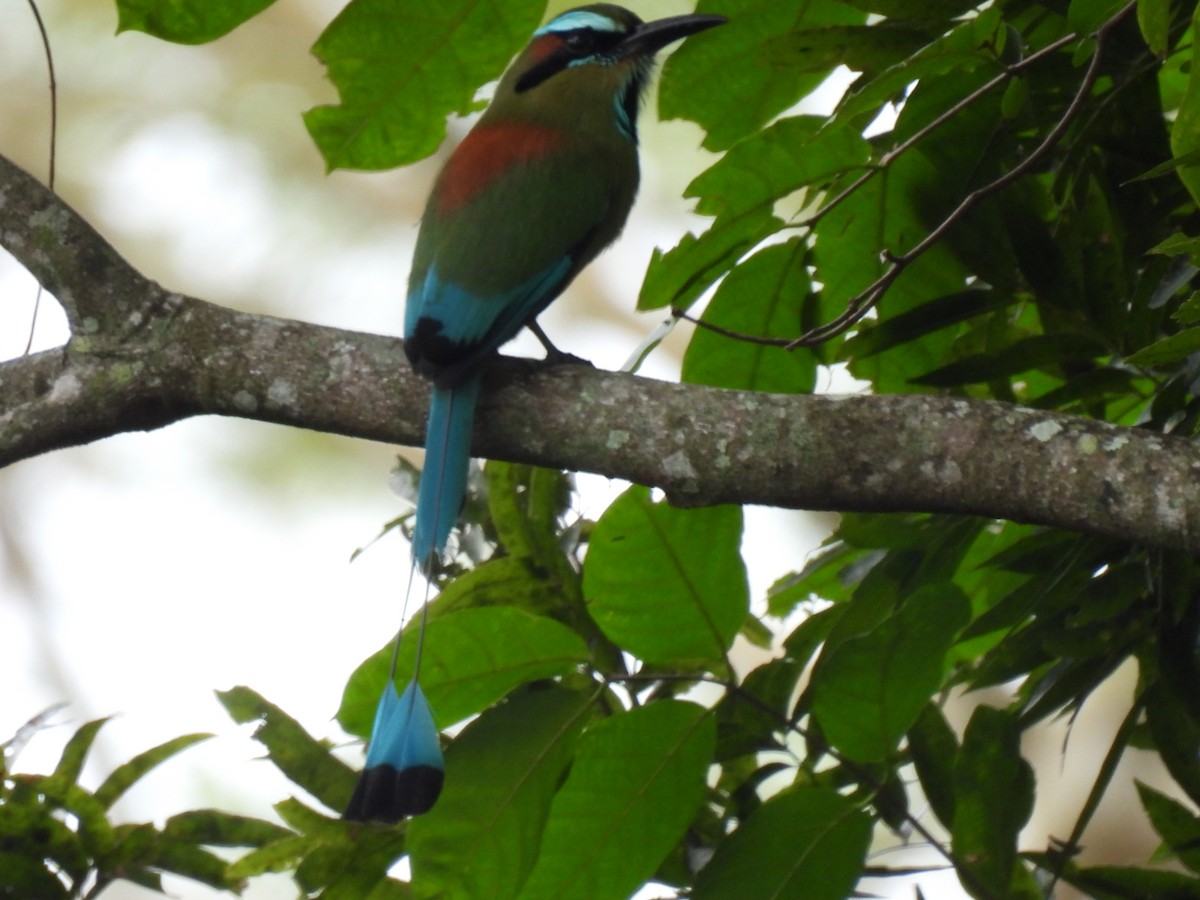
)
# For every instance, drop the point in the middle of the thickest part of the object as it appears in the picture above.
(928, 317)
(750, 716)
(993, 788)
(502, 772)
(1085, 16)
(1038, 351)
(763, 297)
(1168, 350)
(514, 581)
(805, 843)
(1177, 825)
(934, 749)
(831, 574)
(744, 97)
(802, 643)
(872, 688)
(972, 43)
(1176, 735)
(635, 785)
(792, 154)
(1125, 883)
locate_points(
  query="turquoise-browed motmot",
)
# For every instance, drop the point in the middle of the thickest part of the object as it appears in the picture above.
(540, 185)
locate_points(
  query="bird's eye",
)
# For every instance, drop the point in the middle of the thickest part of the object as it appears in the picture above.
(577, 41)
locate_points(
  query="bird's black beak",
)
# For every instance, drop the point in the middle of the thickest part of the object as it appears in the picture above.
(650, 37)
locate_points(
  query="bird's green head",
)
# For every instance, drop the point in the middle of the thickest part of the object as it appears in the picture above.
(593, 53)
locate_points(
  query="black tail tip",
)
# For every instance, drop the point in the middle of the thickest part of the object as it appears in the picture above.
(386, 794)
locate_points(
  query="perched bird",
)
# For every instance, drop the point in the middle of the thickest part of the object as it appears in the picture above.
(541, 184)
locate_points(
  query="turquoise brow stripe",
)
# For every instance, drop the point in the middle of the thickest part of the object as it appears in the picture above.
(574, 21)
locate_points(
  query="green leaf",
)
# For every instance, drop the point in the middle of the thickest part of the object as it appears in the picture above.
(993, 788)
(1168, 350)
(748, 718)
(1175, 824)
(216, 828)
(28, 876)
(281, 855)
(804, 843)
(125, 776)
(741, 98)
(1176, 734)
(1085, 16)
(502, 772)
(637, 782)
(667, 584)
(971, 44)
(1185, 132)
(1154, 20)
(401, 68)
(472, 658)
(804, 640)
(763, 296)
(70, 764)
(186, 21)
(513, 581)
(789, 155)
(293, 750)
(830, 574)
(872, 688)
(525, 503)
(1038, 351)
(934, 749)
(1122, 883)
(876, 337)
(678, 277)
(1189, 310)
(190, 861)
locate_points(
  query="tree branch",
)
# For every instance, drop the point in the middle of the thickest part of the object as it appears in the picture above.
(141, 357)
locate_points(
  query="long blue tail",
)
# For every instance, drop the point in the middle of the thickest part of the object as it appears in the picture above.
(444, 478)
(404, 770)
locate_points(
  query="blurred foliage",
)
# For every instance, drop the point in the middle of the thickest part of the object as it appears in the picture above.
(1054, 147)
(57, 839)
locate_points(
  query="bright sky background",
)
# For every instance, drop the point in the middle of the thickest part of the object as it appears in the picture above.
(139, 574)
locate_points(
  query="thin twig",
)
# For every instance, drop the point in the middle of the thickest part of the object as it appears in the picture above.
(41, 26)
(862, 303)
(966, 102)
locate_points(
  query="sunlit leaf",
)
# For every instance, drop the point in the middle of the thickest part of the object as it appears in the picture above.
(186, 21)
(400, 69)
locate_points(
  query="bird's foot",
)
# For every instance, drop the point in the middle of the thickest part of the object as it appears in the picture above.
(558, 357)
